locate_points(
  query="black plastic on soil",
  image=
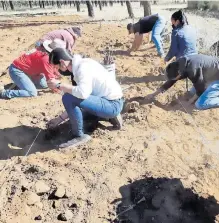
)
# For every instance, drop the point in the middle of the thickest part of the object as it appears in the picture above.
(166, 201)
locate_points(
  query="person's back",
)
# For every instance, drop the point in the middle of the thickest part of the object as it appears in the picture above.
(34, 63)
(101, 82)
(147, 23)
(62, 34)
(208, 65)
(186, 41)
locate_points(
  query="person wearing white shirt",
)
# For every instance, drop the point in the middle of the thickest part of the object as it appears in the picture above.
(96, 92)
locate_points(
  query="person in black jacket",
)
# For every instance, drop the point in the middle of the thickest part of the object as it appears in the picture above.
(202, 71)
(153, 23)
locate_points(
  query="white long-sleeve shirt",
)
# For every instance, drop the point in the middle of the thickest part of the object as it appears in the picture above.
(93, 79)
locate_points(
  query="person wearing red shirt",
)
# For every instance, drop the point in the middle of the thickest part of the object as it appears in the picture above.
(30, 71)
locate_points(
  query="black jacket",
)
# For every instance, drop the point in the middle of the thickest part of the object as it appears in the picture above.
(200, 69)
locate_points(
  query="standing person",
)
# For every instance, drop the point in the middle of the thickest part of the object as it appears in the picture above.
(203, 71)
(68, 35)
(30, 71)
(96, 93)
(183, 40)
(155, 23)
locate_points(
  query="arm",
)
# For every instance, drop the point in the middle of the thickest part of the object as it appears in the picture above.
(84, 84)
(149, 37)
(167, 85)
(137, 42)
(173, 47)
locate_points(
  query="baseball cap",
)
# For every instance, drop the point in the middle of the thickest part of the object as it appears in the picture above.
(50, 45)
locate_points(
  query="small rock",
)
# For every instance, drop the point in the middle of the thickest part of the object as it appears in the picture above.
(67, 194)
(132, 106)
(46, 119)
(145, 145)
(138, 88)
(60, 192)
(32, 198)
(137, 118)
(192, 178)
(38, 218)
(23, 188)
(24, 185)
(41, 188)
(43, 113)
(34, 121)
(68, 215)
(56, 204)
(73, 206)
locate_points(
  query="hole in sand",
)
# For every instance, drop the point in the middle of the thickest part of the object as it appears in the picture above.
(164, 200)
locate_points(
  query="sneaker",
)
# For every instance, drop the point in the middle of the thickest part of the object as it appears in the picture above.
(76, 141)
(117, 122)
(2, 90)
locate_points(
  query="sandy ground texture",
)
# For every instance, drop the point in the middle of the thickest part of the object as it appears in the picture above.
(161, 167)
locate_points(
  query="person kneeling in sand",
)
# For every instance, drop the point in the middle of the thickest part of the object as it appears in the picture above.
(202, 71)
(68, 35)
(31, 71)
(96, 93)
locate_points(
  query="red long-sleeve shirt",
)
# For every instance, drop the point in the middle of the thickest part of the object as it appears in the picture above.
(35, 63)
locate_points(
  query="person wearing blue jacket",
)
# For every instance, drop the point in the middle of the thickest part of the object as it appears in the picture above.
(183, 40)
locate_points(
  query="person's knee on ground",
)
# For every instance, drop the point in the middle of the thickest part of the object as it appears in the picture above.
(33, 93)
(199, 105)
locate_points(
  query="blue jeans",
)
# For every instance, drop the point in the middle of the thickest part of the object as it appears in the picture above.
(27, 86)
(156, 34)
(94, 105)
(210, 97)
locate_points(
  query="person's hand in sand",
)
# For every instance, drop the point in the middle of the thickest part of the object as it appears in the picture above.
(149, 98)
(53, 83)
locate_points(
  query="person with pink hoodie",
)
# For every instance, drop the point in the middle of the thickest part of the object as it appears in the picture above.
(68, 35)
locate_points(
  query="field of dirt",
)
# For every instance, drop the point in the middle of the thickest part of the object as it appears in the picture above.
(161, 167)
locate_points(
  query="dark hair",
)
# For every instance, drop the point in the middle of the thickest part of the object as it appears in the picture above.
(129, 26)
(177, 67)
(180, 15)
(59, 54)
(172, 70)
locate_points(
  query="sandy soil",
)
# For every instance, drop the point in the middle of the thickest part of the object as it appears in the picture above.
(164, 162)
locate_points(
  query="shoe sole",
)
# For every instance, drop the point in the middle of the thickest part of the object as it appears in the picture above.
(75, 142)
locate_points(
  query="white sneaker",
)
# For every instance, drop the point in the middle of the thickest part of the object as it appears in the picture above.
(2, 89)
(76, 141)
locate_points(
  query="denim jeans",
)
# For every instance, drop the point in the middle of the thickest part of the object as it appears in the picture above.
(94, 105)
(209, 98)
(27, 86)
(156, 34)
